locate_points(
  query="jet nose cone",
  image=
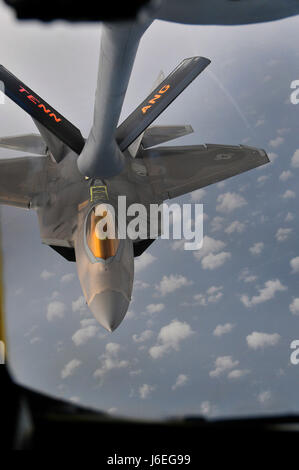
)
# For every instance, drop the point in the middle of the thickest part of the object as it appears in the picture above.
(109, 308)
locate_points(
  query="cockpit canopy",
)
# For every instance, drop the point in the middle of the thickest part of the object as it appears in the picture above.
(101, 232)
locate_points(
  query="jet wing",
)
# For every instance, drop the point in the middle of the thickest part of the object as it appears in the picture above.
(21, 180)
(174, 171)
(156, 135)
(30, 143)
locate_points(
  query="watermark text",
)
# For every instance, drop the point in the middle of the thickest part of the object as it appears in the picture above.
(295, 94)
(137, 221)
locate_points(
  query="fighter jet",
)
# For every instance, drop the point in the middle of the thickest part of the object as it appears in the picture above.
(67, 202)
(69, 178)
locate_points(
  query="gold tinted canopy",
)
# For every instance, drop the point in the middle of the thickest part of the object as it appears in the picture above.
(101, 232)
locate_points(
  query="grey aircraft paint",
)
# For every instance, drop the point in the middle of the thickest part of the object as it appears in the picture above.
(223, 12)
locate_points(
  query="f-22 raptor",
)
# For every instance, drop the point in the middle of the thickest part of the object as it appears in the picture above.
(69, 177)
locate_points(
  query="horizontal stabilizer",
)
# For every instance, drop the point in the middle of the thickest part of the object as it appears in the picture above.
(174, 171)
(158, 134)
(22, 180)
(134, 147)
(41, 111)
(30, 143)
(159, 100)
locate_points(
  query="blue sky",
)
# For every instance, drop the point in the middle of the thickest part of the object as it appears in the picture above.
(208, 332)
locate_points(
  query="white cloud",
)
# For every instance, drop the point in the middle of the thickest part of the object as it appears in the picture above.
(79, 305)
(112, 410)
(181, 380)
(289, 217)
(214, 289)
(213, 295)
(197, 195)
(206, 408)
(56, 310)
(130, 314)
(45, 275)
(285, 175)
(238, 373)
(200, 299)
(110, 361)
(75, 399)
(214, 261)
(259, 340)
(67, 277)
(295, 159)
(143, 261)
(145, 390)
(295, 264)
(144, 336)
(283, 131)
(235, 226)
(35, 340)
(154, 308)
(228, 202)
(288, 194)
(113, 348)
(171, 283)
(283, 234)
(84, 334)
(294, 306)
(245, 300)
(223, 329)
(178, 244)
(70, 368)
(223, 364)
(216, 223)
(170, 337)
(209, 245)
(140, 284)
(274, 143)
(272, 157)
(257, 248)
(246, 276)
(266, 293)
(264, 397)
